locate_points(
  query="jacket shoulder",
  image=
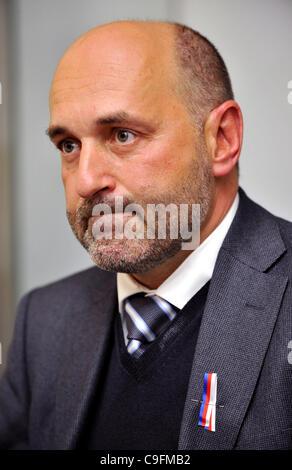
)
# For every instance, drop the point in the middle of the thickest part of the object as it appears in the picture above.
(50, 308)
(70, 286)
(50, 313)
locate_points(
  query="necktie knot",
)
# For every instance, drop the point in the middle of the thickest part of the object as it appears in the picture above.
(147, 316)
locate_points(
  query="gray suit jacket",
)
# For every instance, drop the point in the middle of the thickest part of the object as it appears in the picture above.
(56, 358)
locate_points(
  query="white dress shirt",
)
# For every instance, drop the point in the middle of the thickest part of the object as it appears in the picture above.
(191, 275)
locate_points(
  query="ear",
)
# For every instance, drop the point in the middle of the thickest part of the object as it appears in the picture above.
(223, 134)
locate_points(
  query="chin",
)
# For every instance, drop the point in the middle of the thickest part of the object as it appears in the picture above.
(131, 256)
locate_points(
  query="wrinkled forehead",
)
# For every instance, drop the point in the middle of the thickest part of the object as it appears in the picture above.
(110, 60)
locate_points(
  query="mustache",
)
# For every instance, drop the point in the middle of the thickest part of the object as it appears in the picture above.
(85, 208)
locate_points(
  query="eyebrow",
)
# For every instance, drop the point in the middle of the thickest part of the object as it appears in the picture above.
(120, 118)
(54, 131)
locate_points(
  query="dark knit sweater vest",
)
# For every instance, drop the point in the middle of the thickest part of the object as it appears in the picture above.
(142, 400)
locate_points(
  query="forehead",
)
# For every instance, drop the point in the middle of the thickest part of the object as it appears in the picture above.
(116, 67)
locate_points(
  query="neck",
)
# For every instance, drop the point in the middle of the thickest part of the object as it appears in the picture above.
(223, 199)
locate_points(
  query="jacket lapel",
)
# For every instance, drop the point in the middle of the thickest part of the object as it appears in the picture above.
(85, 347)
(238, 321)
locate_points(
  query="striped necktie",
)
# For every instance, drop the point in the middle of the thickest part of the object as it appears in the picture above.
(146, 317)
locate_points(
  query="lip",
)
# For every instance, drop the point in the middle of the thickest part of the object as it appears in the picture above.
(112, 217)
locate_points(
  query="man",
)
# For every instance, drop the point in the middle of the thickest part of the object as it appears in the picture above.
(144, 111)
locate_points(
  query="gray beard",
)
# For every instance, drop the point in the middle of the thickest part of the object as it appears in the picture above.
(141, 255)
(130, 256)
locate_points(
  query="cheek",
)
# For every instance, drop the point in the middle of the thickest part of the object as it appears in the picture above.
(160, 167)
(72, 198)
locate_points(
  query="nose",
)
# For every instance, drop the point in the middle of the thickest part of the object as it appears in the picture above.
(94, 171)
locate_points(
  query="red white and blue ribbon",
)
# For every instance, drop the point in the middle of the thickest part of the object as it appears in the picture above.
(208, 409)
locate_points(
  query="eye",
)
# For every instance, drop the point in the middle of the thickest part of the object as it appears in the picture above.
(67, 146)
(124, 136)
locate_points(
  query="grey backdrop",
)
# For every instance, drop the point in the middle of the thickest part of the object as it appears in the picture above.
(254, 38)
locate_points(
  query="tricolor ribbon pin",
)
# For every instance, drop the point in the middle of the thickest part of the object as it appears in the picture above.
(208, 409)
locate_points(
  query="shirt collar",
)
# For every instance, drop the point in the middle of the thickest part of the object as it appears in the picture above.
(195, 271)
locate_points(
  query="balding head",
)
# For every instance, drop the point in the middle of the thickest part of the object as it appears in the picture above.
(121, 51)
(185, 61)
